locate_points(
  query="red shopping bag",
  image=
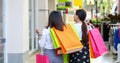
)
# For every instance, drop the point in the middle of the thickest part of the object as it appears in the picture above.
(98, 45)
(42, 58)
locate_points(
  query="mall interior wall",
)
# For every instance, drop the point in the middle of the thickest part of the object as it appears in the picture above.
(17, 26)
(17, 30)
(43, 8)
(52, 5)
(41, 13)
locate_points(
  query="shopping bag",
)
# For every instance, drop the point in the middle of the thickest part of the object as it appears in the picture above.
(75, 30)
(97, 42)
(68, 40)
(42, 58)
(54, 39)
(90, 46)
(55, 42)
(66, 58)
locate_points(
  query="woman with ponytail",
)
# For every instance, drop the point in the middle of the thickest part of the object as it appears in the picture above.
(81, 56)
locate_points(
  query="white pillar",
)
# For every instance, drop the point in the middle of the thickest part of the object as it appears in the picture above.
(17, 37)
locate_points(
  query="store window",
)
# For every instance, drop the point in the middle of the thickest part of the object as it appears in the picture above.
(32, 26)
(2, 35)
(38, 18)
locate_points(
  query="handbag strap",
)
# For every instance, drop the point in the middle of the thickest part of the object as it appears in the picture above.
(41, 51)
(91, 26)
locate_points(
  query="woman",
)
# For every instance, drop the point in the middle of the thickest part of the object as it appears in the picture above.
(55, 20)
(81, 56)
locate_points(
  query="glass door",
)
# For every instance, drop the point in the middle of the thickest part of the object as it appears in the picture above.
(2, 40)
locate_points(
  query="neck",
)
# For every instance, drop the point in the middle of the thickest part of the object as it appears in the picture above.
(78, 21)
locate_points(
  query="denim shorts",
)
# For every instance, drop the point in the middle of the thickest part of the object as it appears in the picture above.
(52, 56)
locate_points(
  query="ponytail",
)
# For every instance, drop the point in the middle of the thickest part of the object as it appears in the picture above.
(84, 33)
(82, 15)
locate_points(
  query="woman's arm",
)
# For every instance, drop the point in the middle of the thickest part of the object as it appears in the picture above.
(41, 37)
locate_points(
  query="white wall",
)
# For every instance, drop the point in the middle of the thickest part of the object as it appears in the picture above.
(51, 5)
(17, 26)
(43, 7)
(41, 13)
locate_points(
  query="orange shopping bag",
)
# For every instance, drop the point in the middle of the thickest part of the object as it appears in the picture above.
(68, 40)
(90, 47)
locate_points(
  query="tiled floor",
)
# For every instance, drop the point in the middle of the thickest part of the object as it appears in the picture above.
(32, 59)
(107, 58)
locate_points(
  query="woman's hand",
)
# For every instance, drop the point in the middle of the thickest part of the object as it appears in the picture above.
(38, 33)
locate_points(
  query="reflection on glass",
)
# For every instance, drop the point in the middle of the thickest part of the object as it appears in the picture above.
(1, 33)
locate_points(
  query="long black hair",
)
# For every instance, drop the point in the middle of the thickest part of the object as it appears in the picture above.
(82, 16)
(55, 20)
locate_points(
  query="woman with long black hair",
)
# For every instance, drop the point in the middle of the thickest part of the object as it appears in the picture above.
(81, 56)
(55, 20)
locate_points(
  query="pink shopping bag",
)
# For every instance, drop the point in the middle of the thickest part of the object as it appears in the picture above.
(93, 52)
(42, 58)
(98, 45)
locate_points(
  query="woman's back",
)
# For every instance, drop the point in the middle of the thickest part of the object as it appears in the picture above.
(78, 27)
(81, 56)
(46, 41)
(55, 20)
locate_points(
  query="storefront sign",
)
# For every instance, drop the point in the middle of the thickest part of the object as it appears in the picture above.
(63, 4)
(78, 3)
(90, 2)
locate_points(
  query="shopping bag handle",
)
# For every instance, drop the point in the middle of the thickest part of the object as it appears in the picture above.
(41, 50)
(39, 37)
(91, 25)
